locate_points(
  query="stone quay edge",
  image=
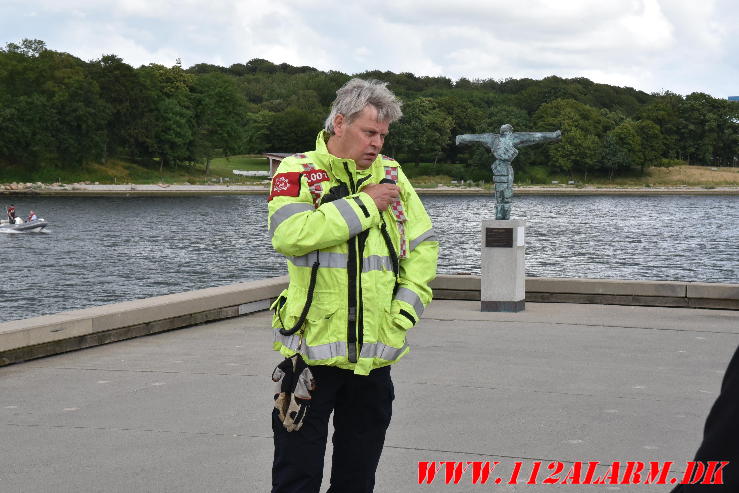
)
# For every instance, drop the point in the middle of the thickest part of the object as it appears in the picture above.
(36, 337)
(91, 190)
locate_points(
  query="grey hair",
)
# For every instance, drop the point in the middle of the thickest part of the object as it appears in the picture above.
(356, 94)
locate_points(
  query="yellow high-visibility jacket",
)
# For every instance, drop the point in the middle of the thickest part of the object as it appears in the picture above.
(360, 309)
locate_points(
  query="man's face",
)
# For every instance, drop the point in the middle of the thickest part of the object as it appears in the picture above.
(360, 140)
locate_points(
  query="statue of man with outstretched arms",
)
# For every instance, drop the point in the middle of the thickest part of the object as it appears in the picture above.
(504, 148)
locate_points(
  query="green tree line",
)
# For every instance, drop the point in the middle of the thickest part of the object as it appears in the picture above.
(57, 111)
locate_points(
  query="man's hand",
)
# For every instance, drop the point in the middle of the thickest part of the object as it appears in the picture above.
(383, 194)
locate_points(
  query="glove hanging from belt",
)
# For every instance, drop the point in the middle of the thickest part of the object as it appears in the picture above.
(292, 394)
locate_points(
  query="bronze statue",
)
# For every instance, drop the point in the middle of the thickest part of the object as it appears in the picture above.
(503, 147)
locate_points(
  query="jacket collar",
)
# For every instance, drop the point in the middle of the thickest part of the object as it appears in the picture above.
(336, 164)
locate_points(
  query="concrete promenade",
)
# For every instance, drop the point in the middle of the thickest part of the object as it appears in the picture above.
(187, 410)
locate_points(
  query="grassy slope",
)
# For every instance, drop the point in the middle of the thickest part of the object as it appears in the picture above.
(243, 163)
(117, 171)
(695, 176)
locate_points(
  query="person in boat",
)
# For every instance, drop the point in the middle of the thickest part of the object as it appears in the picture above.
(31, 216)
(11, 214)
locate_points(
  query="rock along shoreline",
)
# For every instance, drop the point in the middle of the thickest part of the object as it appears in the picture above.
(86, 189)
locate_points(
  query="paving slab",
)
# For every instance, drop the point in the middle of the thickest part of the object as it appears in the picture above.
(189, 410)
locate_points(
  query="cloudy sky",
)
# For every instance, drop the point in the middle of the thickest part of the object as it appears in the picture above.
(652, 45)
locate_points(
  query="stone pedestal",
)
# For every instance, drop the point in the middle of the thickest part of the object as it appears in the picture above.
(503, 280)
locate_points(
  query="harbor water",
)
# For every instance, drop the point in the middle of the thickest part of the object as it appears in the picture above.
(99, 250)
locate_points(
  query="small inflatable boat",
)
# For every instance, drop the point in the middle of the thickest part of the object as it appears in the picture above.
(25, 227)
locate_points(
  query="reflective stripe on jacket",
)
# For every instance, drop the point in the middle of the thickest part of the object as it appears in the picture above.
(358, 317)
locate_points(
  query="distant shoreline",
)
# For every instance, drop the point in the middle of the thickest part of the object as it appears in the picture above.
(137, 190)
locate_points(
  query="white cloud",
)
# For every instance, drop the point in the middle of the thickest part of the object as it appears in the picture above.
(260, 29)
(681, 45)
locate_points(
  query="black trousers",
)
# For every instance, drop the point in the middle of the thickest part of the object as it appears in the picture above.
(721, 434)
(362, 407)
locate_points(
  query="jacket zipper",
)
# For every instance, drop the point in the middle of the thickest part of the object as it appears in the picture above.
(354, 305)
(361, 242)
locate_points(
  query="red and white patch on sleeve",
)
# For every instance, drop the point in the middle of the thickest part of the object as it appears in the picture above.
(285, 184)
(315, 176)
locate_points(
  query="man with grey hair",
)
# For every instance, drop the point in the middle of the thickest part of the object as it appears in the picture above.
(361, 254)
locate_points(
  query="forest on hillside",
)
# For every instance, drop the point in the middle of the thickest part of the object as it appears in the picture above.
(58, 111)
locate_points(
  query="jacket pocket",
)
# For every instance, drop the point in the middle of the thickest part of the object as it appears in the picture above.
(392, 332)
(279, 309)
(398, 319)
(322, 325)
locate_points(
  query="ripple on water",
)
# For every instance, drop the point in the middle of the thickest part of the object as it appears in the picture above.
(106, 249)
